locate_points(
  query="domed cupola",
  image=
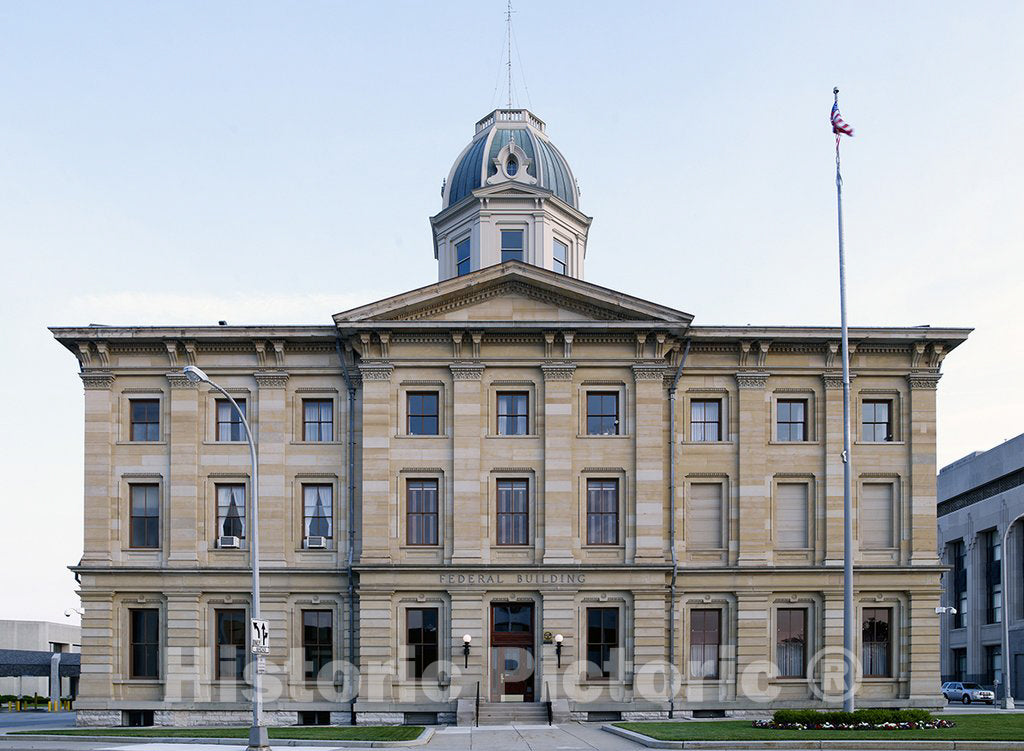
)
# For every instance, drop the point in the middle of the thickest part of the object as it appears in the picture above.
(510, 196)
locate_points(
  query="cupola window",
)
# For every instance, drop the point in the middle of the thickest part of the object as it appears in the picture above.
(511, 166)
(511, 245)
(462, 266)
(560, 255)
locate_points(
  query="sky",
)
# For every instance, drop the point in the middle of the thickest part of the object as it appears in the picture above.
(186, 162)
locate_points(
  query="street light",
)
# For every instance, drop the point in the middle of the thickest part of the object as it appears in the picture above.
(466, 639)
(558, 648)
(258, 737)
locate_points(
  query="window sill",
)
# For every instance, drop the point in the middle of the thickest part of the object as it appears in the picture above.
(501, 435)
(706, 443)
(791, 681)
(794, 443)
(596, 546)
(138, 682)
(601, 436)
(434, 436)
(226, 443)
(316, 443)
(879, 443)
(317, 551)
(140, 443)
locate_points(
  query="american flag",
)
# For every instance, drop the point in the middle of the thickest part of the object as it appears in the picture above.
(839, 126)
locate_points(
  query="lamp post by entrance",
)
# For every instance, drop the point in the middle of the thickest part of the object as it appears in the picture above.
(1007, 677)
(258, 737)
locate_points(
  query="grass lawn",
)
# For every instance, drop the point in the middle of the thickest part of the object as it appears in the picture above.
(969, 727)
(306, 733)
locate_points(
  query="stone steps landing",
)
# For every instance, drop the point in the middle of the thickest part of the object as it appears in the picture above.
(508, 713)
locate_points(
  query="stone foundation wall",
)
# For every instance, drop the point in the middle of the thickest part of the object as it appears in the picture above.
(446, 718)
(380, 718)
(643, 716)
(98, 718)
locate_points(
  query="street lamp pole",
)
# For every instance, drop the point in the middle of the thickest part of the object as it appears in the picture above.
(258, 737)
(1007, 676)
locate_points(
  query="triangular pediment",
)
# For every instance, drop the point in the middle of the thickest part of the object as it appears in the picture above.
(515, 292)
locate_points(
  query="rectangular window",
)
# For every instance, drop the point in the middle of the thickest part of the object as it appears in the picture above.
(318, 510)
(959, 664)
(602, 512)
(560, 257)
(231, 511)
(422, 413)
(513, 413)
(462, 266)
(791, 642)
(145, 642)
(421, 512)
(602, 642)
(876, 516)
(602, 413)
(876, 642)
(229, 420)
(993, 664)
(231, 647)
(318, 420)
(511, 245)
(703, 516)
(145, 419)
(144, 516)
(421, 640)
(317, 642)
(705, 641)
(513, 512)
(958, 552)
(994, 576)
(876, 420)
(706, 420)
(791, 420)
(791, 522)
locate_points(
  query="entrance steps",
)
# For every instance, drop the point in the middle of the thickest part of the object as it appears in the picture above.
(513, 712)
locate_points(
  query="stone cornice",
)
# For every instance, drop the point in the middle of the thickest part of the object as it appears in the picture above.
(468, 371)
(97, 380)
(928, 381)
(648, 372)
(376, 371)
(752, 380)
(562, 371)
(271, 379)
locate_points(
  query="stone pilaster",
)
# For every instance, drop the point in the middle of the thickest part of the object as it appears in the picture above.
(832, 441)
(559, 613)
(832, 665)
(469, 482)
(921, 445)
(469, 616)
(100, 492)
(183, 664)
(650, 629)
(559, 437)
(275, 502)
(376, 480)
(753, 637)
(921, 640)
(98, 648)
(377, 660)
(651, 452)
(755, 510)
(188, 532)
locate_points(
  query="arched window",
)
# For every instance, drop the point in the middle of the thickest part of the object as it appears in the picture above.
(512, 166)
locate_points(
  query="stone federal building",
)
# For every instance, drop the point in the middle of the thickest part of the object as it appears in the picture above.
(586, 484)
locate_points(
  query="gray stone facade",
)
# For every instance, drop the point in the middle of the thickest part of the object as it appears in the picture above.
(978, 496)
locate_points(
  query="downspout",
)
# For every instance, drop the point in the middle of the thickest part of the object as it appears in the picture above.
(351, 450)
(672, 525)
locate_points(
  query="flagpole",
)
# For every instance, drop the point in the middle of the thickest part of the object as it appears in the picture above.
(848, 623)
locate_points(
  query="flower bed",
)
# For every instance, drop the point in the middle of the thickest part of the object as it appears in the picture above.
(862, 719)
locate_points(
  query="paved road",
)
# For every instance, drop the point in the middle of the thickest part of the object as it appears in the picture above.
(35, 720)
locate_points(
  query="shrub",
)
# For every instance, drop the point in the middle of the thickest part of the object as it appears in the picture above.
(871, 717)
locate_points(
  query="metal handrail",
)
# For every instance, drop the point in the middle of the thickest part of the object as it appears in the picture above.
(476, 716)
(547, 692)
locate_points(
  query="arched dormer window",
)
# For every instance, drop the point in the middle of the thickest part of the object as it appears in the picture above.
(511, 166)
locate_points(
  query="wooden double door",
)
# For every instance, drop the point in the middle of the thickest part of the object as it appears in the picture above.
(512, 651)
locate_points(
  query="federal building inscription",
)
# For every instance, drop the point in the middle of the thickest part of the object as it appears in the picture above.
(489, 579)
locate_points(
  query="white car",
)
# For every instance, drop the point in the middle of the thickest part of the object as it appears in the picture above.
(966, 692)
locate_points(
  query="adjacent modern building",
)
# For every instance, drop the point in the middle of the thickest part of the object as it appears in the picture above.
(22, 644)
(511, 483)
(981, 505)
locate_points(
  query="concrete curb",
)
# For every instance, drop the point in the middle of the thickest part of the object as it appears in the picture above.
(424, 737)
(814, 745)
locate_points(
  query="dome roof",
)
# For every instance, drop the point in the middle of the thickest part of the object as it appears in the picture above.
(476, 162)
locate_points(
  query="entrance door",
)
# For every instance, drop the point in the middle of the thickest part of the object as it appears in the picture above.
(512, 660)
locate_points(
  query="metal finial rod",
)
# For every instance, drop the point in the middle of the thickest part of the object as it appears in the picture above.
(508, 42)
